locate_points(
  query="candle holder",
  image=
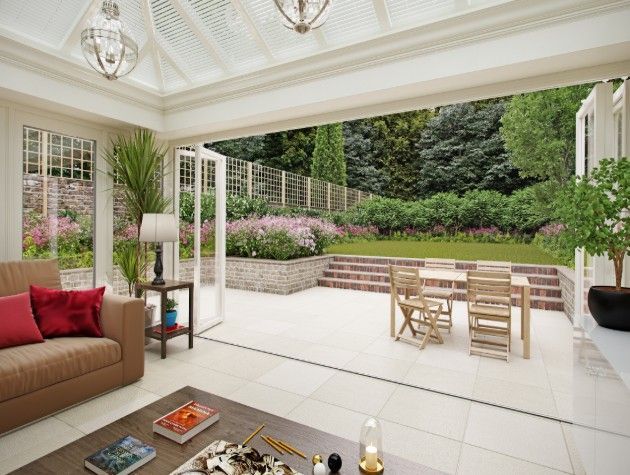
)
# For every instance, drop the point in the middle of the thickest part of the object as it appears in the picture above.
(371, 447)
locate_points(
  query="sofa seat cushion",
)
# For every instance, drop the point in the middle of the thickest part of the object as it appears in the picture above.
(27, 368)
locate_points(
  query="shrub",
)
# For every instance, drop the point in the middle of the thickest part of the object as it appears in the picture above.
(237, 207)
(523, 213)
(552, 239)
(444, 209)
(387, 214)
(482, 208)
(280, 238)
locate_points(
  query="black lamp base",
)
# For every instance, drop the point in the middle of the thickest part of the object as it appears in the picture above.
(158, 268)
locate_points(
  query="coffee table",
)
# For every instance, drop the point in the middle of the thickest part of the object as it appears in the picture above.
(236, 423)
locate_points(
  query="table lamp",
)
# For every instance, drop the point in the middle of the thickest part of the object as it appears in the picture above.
(158, 228)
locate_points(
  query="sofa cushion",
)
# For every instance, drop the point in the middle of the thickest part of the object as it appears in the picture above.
(16, 276)
(27, 368)
(67, 312)
(17, 324)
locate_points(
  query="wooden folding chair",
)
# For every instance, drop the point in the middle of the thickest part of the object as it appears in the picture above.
(406, 281)
(489, 324)
(494, 266)
(446, 294)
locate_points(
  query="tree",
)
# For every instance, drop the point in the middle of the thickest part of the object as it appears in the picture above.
(364, 168)
(539, 133)
(461, 149)
(329, 163)
(394, 139)
(595, 208)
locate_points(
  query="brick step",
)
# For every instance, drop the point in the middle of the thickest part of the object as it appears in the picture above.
(373, 262)
(546, 302)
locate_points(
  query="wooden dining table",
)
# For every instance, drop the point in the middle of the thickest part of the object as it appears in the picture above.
(519, 281)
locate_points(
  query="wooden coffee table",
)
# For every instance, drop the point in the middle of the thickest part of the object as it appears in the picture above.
(236, 423)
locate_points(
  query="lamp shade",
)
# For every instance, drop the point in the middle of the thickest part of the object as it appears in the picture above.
(158, 228)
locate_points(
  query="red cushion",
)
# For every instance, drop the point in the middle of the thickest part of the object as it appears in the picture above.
(67, 312)
(17, 325)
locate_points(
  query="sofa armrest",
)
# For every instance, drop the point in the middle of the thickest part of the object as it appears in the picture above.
(122, 320)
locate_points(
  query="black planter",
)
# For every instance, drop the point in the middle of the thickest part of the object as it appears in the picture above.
(609, 307)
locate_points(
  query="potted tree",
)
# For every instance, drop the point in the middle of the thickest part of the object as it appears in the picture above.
(136, 166)
(596, 210)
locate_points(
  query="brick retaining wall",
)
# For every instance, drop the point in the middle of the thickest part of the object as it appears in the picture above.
(258, 275)
(566, 277)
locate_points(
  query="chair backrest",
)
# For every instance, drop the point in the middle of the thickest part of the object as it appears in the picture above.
(488, 284)
(437, 263)
(405, 279)
(494, 266)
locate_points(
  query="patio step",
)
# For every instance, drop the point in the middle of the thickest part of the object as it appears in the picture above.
(370, 274)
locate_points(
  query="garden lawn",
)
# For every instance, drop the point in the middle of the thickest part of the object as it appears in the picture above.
(467, 251)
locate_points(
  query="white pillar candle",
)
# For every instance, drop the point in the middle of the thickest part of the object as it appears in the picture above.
(371, 460)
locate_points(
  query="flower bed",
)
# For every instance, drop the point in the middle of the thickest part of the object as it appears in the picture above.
(279, 237)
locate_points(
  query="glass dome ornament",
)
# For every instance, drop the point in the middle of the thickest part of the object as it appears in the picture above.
(107, 45)
(303, 15)
(371, 447)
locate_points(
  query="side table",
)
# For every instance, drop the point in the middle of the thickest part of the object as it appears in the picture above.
(163, 336)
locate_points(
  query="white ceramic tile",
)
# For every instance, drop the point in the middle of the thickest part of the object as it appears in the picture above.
(247, 364)
(531, 372)
(102, 410)
(421, 447)
(427, 411)
(283, 346)
(452, 382)
(265, 398)
(296, 377)
(453, 357)
(379, 366)
(515, 395)
(328, 355)
(358, 393)
(474, 459)
(329, 418)
(311, 332)
(45, 437)
(518, 435)
(576, 462)
(347, 340)
(399, 350)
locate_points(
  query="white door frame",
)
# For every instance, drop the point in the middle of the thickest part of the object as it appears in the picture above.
(200, 153)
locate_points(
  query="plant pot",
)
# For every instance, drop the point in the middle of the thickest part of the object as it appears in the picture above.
(171, 318)
(609, 307)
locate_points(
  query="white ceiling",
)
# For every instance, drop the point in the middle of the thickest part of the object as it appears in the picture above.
(185, 44)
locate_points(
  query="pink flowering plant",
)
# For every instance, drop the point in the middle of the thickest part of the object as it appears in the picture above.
(279, 237)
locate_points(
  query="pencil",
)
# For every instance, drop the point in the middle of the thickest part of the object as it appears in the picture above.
(272, 443)
(293, 449)
(253, 434)
(283, 445)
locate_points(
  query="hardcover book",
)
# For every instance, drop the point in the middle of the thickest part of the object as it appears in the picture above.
(120, 458)
(186, 421)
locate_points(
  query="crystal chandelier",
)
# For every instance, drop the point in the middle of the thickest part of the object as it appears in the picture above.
(107, 45)
(303, 15)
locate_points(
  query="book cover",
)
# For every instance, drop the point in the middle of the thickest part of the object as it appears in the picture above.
(177, 326)
(120, 458)
(186, 421)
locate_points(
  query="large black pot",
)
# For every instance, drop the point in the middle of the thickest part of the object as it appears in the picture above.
(609, 307)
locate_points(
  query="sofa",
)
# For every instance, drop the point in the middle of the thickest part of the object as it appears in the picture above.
(40, 379)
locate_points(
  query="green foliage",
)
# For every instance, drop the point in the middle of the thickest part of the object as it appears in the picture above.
(364, 163)
(523, 212)
(556, 246)
(444, 210)
(328, 157)
(131, 264)
(387, 214)
(461, 149)
(539, 132)
(171, 305)
(394, 138)
(595, 212)
(483, 208)
(237, 207)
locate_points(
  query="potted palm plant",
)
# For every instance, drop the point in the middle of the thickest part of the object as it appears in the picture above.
(136, 165)
(596, 210)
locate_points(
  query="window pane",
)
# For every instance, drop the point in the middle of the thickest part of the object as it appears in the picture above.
(59, 205)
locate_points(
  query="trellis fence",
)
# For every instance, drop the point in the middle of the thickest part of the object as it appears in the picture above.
(277, 187)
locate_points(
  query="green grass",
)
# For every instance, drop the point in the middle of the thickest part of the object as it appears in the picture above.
(468, 251)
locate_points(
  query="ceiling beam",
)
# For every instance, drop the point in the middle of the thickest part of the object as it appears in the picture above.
(74, 33)
(169, 59)
(152, 43)
(209, 44)
(247, 19)
(382, 13)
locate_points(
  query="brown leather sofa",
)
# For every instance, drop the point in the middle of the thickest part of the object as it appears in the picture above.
(42, 378)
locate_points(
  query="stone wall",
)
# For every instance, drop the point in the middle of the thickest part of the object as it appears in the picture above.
(259, 275)
(566, 277)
